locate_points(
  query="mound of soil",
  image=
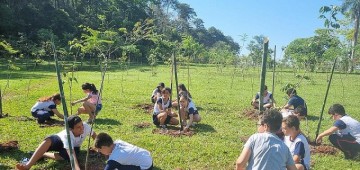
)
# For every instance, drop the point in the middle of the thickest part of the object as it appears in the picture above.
(322, 149)
(244, 138)
(143, 125)
(148, 108)
(10, 145)
(251, 114)
(173, 132)
(52, 122)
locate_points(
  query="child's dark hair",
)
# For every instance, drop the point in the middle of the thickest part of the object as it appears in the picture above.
(300, 110)
(265, 87)
(161, 85)
(89, 86)
(291, 91)
(166, 89)
(272, 118)
(292, 121)
(337, 109)
(103, 139)
(183, 88)
(54, 97)
(73, 120)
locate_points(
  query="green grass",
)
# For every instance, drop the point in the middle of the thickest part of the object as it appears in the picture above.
(216, 144)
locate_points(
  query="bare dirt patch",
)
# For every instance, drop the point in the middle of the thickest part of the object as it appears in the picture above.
(251, 114)
(24, 118)
(322, 149)
(8, 146)
(148, 108)
(143, 125)
(173, 132)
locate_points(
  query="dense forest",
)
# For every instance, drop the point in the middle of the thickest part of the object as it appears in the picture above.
(136, 30)
(149, 31)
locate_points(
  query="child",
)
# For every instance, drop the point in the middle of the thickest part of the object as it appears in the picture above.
(297, 143)
(294, 102)
(59, 143)
(264, 150)
(91, 103)
(122, 155)
(162, 110)
(188, 111)
(182, 90)
(157, 92)
(345, 132)
(300, 112)
(45, 107)
(268, 99)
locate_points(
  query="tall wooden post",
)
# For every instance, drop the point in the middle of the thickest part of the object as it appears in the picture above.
(263, 74)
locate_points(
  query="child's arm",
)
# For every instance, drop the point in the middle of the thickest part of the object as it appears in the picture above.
(326, 133)
(94, 135)
(191, 119)
(81, 100)
(77, 167)
(57, 113)
(243, 159)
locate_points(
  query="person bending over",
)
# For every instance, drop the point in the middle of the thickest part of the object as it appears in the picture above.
(59, 144)
(122, 155)
(45, 107)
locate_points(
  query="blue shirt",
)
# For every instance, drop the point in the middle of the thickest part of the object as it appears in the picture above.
(297, 101)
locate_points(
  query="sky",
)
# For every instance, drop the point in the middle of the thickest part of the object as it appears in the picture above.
(282, 21)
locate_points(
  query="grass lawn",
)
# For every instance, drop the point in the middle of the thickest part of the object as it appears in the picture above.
(221, 98)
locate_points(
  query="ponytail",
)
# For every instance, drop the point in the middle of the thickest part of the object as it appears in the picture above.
(56, 96)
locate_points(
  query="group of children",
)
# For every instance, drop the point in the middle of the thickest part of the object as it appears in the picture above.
(163, 114)
(291, 150)
(122, 155)
(263, 150)
(45, 107)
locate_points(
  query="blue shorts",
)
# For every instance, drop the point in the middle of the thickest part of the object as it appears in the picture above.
(157, 122)
(58, 146)
(98, 108)
(42, 115)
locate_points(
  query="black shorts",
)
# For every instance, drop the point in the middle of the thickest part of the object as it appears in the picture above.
(58, 146)
(157, 122)
(42, 115)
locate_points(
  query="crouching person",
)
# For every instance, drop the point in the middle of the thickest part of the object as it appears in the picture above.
(122, 155)
(59, 143)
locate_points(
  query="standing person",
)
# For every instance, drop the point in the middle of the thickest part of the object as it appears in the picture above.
(91, 103)
(268, 99)
(264, 150)
(345, 132)
(59, 143)
(45, 107)
(188, 111)
(123, 155)
(162, 110)
(182, 90)
(157, 92)
(293, 103)
(296, 142)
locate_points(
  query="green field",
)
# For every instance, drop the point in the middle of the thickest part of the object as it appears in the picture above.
(221, 98)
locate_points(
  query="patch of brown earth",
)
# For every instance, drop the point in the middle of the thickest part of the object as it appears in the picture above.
(173, 132)
(10, 145)
(148, 108)
(143, 125)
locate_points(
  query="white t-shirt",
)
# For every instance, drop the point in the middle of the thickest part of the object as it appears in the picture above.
(299, 146)
(75, 141)
(128, 154)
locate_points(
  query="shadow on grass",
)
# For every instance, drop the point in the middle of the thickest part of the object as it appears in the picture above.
(204, 128)
(14, 154)
(156, 168)
(312, 117)
(107, 121)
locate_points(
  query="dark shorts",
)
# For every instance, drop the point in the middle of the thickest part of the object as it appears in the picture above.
(42, 115)
(111, 165)
(98, 108)
(157, 122)
(58, 146)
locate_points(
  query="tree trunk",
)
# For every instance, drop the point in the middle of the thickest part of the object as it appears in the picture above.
(354, 42)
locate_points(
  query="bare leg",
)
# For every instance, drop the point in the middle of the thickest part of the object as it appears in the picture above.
(38, 154)
(299, 166)
(197, 118)
(162, 117)
(55, 156)
(174, 121)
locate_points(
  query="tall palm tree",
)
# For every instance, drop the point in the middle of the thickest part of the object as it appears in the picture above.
(353, 7)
